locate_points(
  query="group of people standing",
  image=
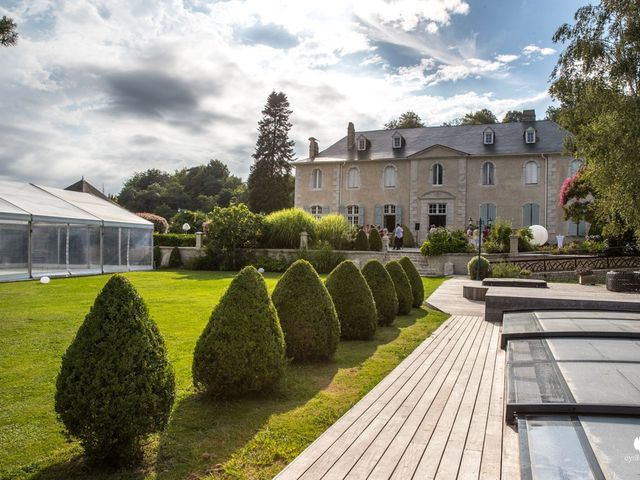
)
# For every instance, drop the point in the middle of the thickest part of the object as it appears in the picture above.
(398, 234)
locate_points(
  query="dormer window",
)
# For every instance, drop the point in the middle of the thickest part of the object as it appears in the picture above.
(530, 135)
(488, 137)
(397, 140)
(362, 143)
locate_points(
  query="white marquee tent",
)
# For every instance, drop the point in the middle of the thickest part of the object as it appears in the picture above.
(54, 232)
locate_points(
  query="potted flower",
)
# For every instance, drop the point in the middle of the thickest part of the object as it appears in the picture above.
(586, 276)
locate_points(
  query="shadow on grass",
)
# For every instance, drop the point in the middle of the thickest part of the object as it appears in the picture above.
(203, 434)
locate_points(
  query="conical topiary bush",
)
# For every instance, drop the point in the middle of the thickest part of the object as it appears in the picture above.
(241, 349)
(353, 301)
(175, 259)
(375, 242)
(115, 384)
(361, 243)
(307, 315)
(417, 288)
(403, 287)
(383, 290)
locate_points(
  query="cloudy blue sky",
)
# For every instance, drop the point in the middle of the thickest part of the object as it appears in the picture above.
(107, 88)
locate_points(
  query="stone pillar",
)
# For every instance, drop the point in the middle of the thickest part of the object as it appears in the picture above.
(513, 245)
(385, 243)
(198, 239)
(304, 240)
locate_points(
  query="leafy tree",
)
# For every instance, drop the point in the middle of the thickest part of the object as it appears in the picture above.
(406, 120)
(597, 81)
(8, 33)
(577, 199)
(270, 182)
(115, 385)
(198, 188)
(241, 350)
(479, 117)
(512, 116)
(553, 114)
(309, 333)
(233, 228)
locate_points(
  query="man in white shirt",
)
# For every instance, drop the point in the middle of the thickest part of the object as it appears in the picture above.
(398, 235)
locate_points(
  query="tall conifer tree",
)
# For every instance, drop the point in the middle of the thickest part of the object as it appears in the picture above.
(270, 183)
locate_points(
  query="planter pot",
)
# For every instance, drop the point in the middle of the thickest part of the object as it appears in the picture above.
(587, 279)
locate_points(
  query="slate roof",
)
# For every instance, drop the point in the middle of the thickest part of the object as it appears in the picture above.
(466, 139)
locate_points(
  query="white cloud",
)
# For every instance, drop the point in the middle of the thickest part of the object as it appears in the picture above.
(534, 50)
(117, 87)
(507, 58)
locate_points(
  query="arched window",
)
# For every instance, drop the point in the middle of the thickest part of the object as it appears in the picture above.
(488, 212)
(389, 176)
(530, 135)
(574, 167)
(530, 214)
(353, 214)
(316, 179)
(436, 174)
(531, 173)
(488, 174)
(353, 178)
(316, 211)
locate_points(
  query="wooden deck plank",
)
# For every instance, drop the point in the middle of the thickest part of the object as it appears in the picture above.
(437, 415)
(454, 448)
(472, 454)
(340, 457)
(394, 451)
(491, 465)
(375, 443)
(426, 429)
(446, 332)
(462, 398)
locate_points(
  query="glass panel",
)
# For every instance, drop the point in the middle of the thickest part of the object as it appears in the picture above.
(603, 383)
(535, 383)
(49, 249)
(111, 249)
(594, 349)
(78, 247)
(614, 443)
(140, 247)
(14, 249)
(555, 450)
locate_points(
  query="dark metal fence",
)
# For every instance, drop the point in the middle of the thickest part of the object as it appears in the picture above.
(568, 264)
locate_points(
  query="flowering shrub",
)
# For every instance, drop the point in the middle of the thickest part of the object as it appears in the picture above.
(160, 224)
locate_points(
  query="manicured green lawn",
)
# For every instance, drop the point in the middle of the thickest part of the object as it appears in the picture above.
(247, 438)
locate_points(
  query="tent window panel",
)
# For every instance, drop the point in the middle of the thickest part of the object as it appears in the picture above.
(78, 247)
(49, 248)
(111, 246)
(140, 247)
(14, 248)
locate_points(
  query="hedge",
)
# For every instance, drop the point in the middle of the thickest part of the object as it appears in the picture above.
(375, 242)
(115, 385)
(354, 302)
(307, 315)
(361, 243)
(383, 290)
(403, 287)
(417, 288)
(241, 349)
(472, 268)
(174, 239)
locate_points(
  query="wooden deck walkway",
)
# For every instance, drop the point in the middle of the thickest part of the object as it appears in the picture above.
(438, 415)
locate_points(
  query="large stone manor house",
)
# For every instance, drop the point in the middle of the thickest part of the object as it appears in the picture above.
(443, 176)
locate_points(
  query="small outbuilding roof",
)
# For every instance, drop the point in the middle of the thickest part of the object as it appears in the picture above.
(26, 201)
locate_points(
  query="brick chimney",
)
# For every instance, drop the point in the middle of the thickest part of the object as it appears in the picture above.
(528, 115)
(351, 136)
(313, 148)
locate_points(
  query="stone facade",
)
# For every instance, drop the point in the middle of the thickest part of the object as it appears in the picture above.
(342, 177)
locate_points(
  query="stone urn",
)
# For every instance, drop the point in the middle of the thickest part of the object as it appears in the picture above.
(586, 276)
